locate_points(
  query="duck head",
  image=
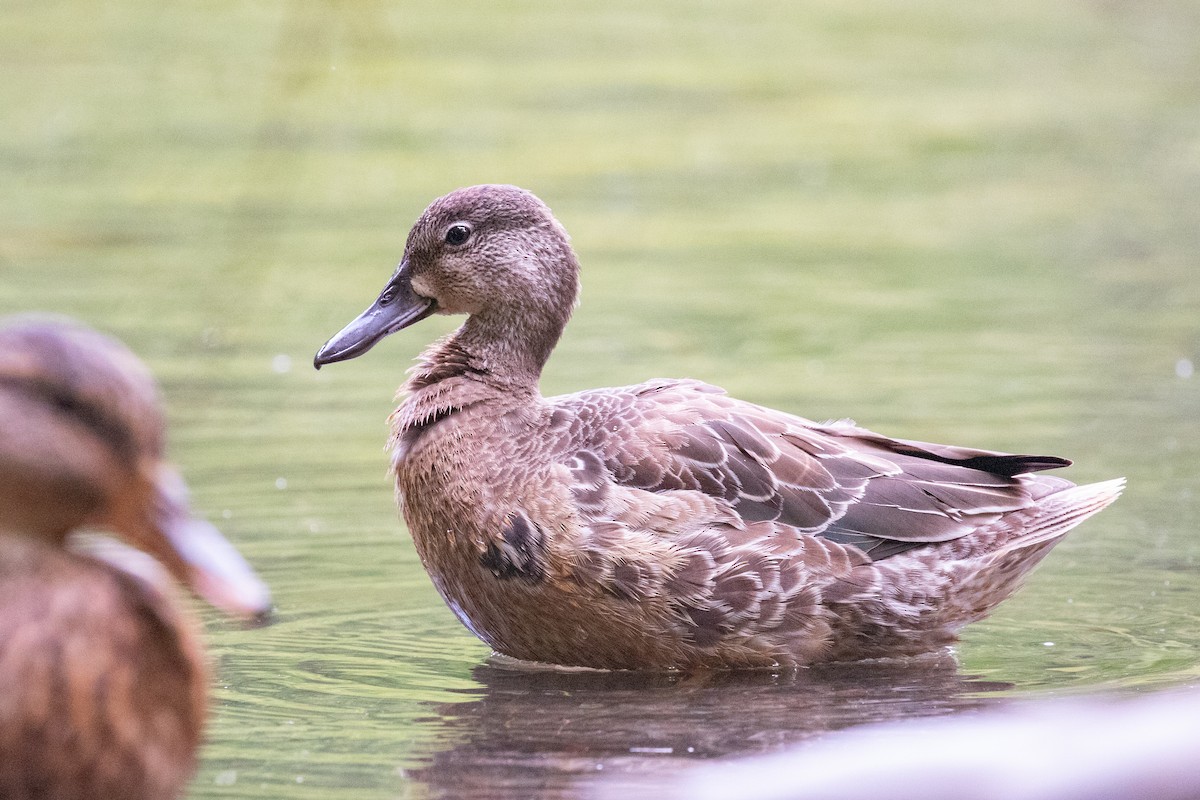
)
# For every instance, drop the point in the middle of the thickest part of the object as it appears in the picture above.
(82, 446)
(493, 252)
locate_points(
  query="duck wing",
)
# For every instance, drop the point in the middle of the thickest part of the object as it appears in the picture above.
(642, 446)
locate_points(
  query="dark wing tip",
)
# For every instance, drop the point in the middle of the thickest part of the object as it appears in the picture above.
(984, 460)
(1011, 466)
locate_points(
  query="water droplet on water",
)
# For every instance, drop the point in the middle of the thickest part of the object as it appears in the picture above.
(282, 363)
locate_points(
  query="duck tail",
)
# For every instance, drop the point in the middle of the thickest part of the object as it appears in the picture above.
(1061, 511)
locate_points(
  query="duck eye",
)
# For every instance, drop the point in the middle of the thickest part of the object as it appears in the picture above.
(457, 234)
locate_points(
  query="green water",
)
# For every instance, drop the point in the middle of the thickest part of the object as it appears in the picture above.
(961, 222)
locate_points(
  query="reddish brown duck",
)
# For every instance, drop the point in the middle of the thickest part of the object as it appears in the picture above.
(103, 683)
(667, 524)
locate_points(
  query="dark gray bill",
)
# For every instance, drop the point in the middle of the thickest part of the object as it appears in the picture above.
(397, 307)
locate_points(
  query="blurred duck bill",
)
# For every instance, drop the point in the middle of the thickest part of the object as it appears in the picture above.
(197, 554)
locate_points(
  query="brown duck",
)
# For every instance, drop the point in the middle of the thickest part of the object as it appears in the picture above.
(103, 683)
(667, 524)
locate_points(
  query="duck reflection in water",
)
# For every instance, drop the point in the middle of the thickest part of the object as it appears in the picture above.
(103, 682)
(549, 732)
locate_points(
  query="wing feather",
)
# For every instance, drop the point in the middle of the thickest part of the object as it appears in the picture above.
(836, 480)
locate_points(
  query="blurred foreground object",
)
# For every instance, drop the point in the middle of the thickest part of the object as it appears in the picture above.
(103, 681)
(1079, 749)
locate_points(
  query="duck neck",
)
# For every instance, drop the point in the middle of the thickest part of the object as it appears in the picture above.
(482, 365)
(489, 357)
